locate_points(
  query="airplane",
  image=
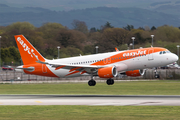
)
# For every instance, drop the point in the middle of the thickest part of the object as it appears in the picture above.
(104, 65)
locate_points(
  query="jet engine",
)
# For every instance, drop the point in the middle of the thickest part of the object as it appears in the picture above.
(107, 72)
(135, 73)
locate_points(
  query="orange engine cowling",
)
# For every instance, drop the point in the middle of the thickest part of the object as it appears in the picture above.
(135, 73)
(107, 72)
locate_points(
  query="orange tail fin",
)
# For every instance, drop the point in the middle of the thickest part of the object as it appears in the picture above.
(27, 50)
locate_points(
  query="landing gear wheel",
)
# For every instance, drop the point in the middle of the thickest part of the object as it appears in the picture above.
(156, 76)
(92, 82)
(110, 81)
(156, 73)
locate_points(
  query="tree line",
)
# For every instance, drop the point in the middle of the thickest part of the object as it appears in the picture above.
(81, 40)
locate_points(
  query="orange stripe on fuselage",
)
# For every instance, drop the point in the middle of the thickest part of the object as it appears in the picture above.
(72, 73)
(129, 54)
(60, 67)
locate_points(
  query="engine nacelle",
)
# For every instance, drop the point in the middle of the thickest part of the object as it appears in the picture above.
(135, 73)
(107, 72)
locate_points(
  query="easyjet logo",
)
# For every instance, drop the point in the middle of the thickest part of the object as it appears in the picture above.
(134, 53)
(25, 46)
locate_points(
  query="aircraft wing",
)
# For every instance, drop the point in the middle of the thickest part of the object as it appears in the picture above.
(80, 68)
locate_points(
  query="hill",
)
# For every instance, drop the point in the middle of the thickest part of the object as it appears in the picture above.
(93, 17)
(66, 5)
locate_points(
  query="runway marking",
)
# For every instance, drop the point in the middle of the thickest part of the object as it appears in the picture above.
(38, 101)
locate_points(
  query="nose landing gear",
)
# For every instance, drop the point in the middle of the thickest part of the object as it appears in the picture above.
(156, 73)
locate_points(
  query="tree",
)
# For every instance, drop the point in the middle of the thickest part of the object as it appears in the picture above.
(24, 28)
(50, 30)
(14, 53)
(89, 49)
(70, 52)
(10, 54)
(128, 27)
(113, 37)
(168, 33)
(146, 28)
(140, 36)
(20, 27)
(107, 25)
(71, 38)
(93, 29)
(153, 28)
(80, 26)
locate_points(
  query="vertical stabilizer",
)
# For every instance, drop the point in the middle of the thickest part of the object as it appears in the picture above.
(27, 51)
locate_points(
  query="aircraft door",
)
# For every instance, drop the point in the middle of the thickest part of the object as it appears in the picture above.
(44, 68)
(107, 60)
(150, 54)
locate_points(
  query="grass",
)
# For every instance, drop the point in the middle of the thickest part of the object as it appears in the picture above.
(89, 112)
(161, 87)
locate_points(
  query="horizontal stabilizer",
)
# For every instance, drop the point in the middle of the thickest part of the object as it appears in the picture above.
(30, 69)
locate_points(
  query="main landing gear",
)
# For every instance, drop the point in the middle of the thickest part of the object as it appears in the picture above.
(110, 81)
(92, 82)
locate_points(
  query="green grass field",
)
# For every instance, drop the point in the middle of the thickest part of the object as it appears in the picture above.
(89, 112)
(162, 87)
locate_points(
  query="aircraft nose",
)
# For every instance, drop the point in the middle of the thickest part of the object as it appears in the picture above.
(175, 57)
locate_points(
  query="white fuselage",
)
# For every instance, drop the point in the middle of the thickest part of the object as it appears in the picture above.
(132, 63)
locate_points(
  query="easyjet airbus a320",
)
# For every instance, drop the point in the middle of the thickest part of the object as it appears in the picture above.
(105, 65)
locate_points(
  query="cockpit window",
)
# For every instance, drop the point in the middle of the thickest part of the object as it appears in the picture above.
(164, 52)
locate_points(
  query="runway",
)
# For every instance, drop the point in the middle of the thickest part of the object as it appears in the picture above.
(91, 100)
